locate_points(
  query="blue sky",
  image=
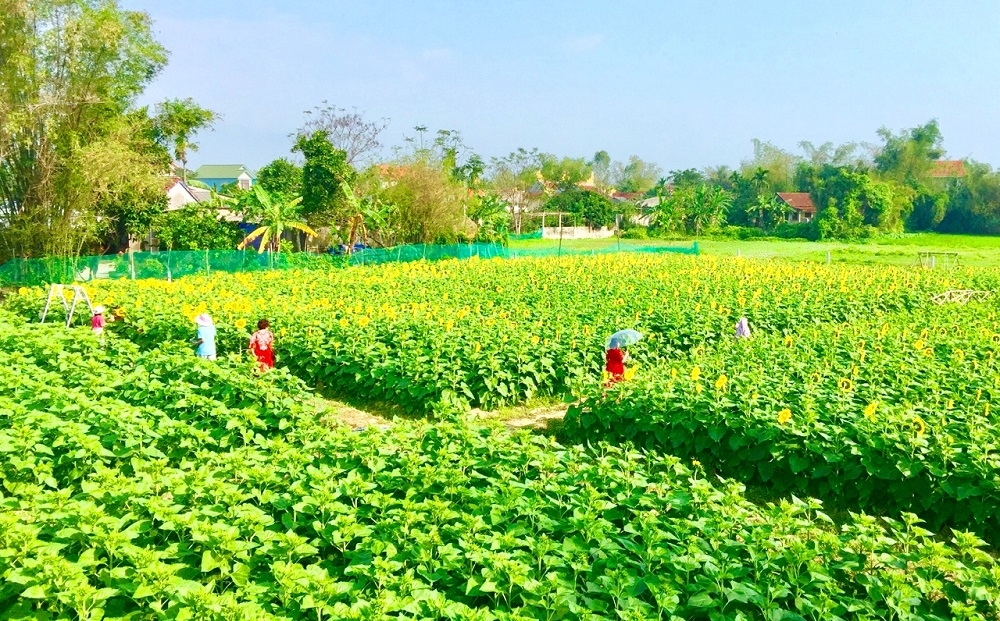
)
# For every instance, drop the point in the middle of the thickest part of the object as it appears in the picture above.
(681, 84)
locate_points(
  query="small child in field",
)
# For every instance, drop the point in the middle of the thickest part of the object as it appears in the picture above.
(262, 345)
(97, 321)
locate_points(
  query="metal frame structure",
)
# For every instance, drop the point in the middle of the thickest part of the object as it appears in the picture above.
(79, 293)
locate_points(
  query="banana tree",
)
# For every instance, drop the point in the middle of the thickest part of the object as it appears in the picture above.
(363, 212)
(276, 214)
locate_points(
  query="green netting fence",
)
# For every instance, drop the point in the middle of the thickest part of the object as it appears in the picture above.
(523, 236)
(174, 264)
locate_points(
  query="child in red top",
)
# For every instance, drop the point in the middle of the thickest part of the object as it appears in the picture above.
(614, 364)
(262, 345)
(97, 321)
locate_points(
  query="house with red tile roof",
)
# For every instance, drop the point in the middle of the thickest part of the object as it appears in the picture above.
(801, 204)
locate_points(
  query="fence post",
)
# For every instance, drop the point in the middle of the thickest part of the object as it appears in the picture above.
(169, 276)
(208, 268)
(932, 261)
(131, 262)
(828, 257)
(618, 230)
(738, 252)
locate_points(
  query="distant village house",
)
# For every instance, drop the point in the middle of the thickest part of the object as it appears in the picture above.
(217, 175)
(801, 206)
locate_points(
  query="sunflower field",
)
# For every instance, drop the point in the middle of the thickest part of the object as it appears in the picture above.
(139, 482)
(142, 484)
(499, 332)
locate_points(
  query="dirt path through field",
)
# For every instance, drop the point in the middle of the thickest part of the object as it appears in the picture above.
(332, 411)
(545, 418)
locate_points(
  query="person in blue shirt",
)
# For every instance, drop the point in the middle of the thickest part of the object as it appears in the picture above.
(206, 336)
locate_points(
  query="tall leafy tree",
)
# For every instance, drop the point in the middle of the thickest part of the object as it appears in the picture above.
(281, 178)
(424, 203)
(512, 178)
(907, 159)
(178, 120)
(601, 164)
(908, 156)
(688, 178)
(779, 164)
(636, 175)
(973, 201)
(564, 173)
(594, 208)
(324, 170)
(70, 71)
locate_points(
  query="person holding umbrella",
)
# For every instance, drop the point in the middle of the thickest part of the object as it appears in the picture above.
(615, 356)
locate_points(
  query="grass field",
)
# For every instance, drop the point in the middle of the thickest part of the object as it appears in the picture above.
(980, 251)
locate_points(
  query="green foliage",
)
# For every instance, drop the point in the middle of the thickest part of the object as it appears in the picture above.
(907, 157)
(424, 203)
(196, 227)
(324, 170)
(564, 173)
(974, 201)
(512, 179)
(844, 412)
(779, 166)
(853, 204)
(636, 175)
(635, 232)
(601, 166)
(492, 217)
(754, 200)
(692, 209)
(177, 120)
(688, 178)
(929, 209)
(596, 209)
(273, 215)
(145, 483)
(72, 147)
(281, 178)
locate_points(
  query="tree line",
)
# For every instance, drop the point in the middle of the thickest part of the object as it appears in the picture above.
(83, 167)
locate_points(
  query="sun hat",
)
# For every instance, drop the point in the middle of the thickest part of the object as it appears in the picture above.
(98, 310)
(203, 319)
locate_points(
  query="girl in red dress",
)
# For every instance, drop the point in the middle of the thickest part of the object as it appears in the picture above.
(262, 345)
(614, 364)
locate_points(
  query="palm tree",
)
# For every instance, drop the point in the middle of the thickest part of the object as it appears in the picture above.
(276, 215)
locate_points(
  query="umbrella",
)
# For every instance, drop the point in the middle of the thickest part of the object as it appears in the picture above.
(622, 338)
